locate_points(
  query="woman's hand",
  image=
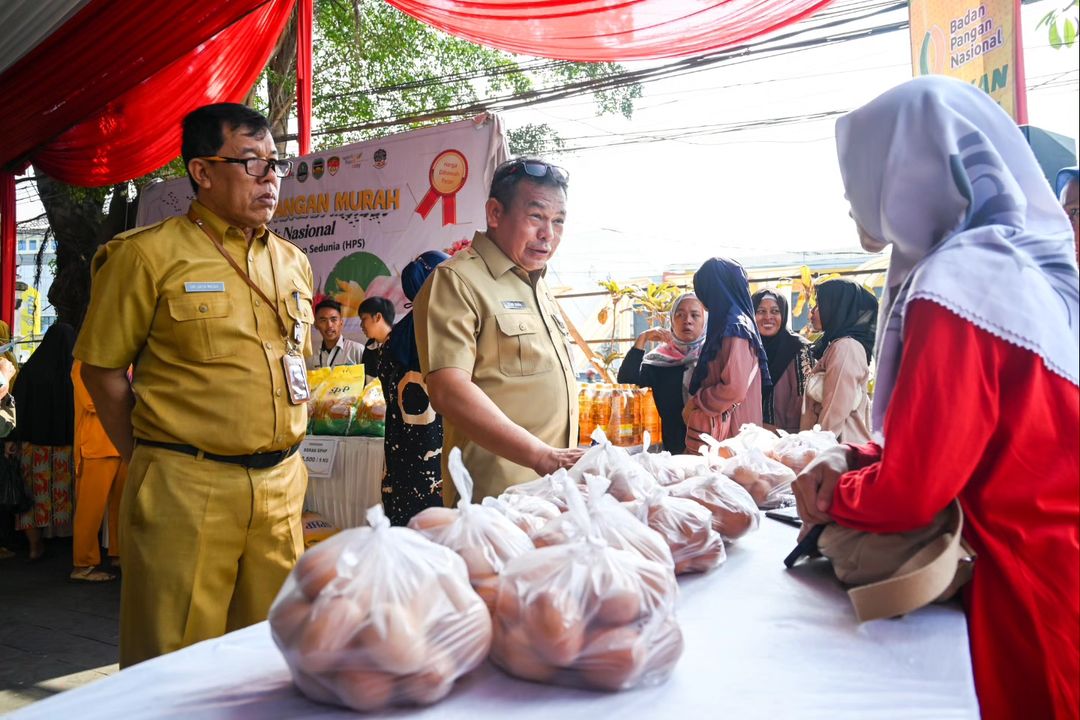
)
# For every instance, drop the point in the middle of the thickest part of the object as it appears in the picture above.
(657, 334)
(816, 483)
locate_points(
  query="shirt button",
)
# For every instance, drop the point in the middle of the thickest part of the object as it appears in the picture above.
(203, 308)
(258, 303)
(521, 326)
(278, 439)
(278, 392)
(268, 345)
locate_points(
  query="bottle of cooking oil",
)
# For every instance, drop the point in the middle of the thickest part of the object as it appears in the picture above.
(585, 413)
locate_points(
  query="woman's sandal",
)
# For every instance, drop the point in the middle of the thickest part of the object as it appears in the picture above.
(90, 575)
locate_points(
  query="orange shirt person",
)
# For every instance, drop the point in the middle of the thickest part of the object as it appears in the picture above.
(99, 481)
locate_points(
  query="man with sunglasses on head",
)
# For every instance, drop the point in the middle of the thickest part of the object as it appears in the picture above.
(214, 311)
(493, 347)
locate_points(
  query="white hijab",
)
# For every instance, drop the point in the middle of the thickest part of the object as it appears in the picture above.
(936, 169)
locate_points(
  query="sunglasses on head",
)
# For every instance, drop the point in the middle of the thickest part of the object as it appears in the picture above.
(533, 168)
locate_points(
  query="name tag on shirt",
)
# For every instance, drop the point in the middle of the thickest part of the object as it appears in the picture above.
(513, 304)
(201, 287)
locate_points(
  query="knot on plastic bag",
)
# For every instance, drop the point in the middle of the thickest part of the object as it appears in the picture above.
(376, 517)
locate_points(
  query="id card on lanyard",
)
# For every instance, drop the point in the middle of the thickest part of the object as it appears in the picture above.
(292, 362)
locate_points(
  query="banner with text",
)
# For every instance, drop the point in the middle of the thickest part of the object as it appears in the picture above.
(972, 41)
(364, 211)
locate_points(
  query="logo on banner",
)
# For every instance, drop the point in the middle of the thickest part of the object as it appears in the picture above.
(301, 172)
(932, 53)
(318, 165)
(354, 159)
(380, 158)
(447, 176)
(333, 164)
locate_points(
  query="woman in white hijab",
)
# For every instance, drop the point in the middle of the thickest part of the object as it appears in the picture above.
(667, 367)
(977, 390)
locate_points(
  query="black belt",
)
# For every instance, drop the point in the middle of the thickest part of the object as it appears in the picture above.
(255, 461)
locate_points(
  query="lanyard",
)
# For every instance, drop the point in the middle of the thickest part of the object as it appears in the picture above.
(332, 353)
(240, 271)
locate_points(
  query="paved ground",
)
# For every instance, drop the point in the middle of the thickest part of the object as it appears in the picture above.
(54, 634)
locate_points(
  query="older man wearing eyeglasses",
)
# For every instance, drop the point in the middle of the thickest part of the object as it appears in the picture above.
(493, 348)
(214, 311)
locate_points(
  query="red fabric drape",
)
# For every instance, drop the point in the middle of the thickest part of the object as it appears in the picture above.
(7, 249)
(608, 30)
(100, 100)
(304, 17)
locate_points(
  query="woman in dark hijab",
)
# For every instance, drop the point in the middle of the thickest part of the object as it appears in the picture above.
(725, 389)
(789, 362)
(46, 400)
(414, 432)
(837, 396)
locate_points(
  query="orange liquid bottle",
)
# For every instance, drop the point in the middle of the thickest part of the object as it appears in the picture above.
(585, 414)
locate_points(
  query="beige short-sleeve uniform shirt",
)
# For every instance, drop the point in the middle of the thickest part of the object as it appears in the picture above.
(206, 348)
(483, 314)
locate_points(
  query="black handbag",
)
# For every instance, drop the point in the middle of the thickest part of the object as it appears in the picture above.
(13, 492)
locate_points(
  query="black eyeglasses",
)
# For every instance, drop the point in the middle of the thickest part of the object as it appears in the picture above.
(256, 166)
(534, 168)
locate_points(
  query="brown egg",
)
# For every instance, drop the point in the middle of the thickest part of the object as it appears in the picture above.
(433, 519)
(365, 690)
(618, 607)
(612, 659)
(315, 569)
(399, 646)
(431, 684)
(477, 562)
(507, 604)
(287, 618)
(512, 651)
(732, 524)
(557, 632)
(329, 628)
(314, 688)
(458, 592)
(665, 649)
(487, 589)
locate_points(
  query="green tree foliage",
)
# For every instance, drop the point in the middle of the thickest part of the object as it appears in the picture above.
(1061, 25)
(373, 63)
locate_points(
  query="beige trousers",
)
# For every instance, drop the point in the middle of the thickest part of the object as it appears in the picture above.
(205, 547)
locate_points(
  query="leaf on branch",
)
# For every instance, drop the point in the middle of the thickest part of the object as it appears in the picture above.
(602, 316)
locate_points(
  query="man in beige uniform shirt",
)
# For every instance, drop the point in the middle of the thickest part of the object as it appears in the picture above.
(214, 311)
(493, 347)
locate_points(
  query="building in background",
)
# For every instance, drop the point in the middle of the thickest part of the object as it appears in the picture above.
(33, 314)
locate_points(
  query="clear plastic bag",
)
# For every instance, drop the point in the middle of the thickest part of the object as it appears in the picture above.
(750, 437)
(662, 466)
(528, 512)
(767, 481)
(586, 614)
(686, 527)
(549, 487)
(798, 450)
(734, 512)
(629, 480)
(613, 522)
(484, 537)
(379, 616)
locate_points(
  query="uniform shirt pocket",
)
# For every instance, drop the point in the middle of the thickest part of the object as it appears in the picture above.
(522, 346)
(200, 326)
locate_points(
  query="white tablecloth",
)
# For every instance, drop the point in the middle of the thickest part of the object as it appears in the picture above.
(761, 642)
(354, 484)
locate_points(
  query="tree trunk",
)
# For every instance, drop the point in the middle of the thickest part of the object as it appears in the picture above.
(80, 223)
(281, 84)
